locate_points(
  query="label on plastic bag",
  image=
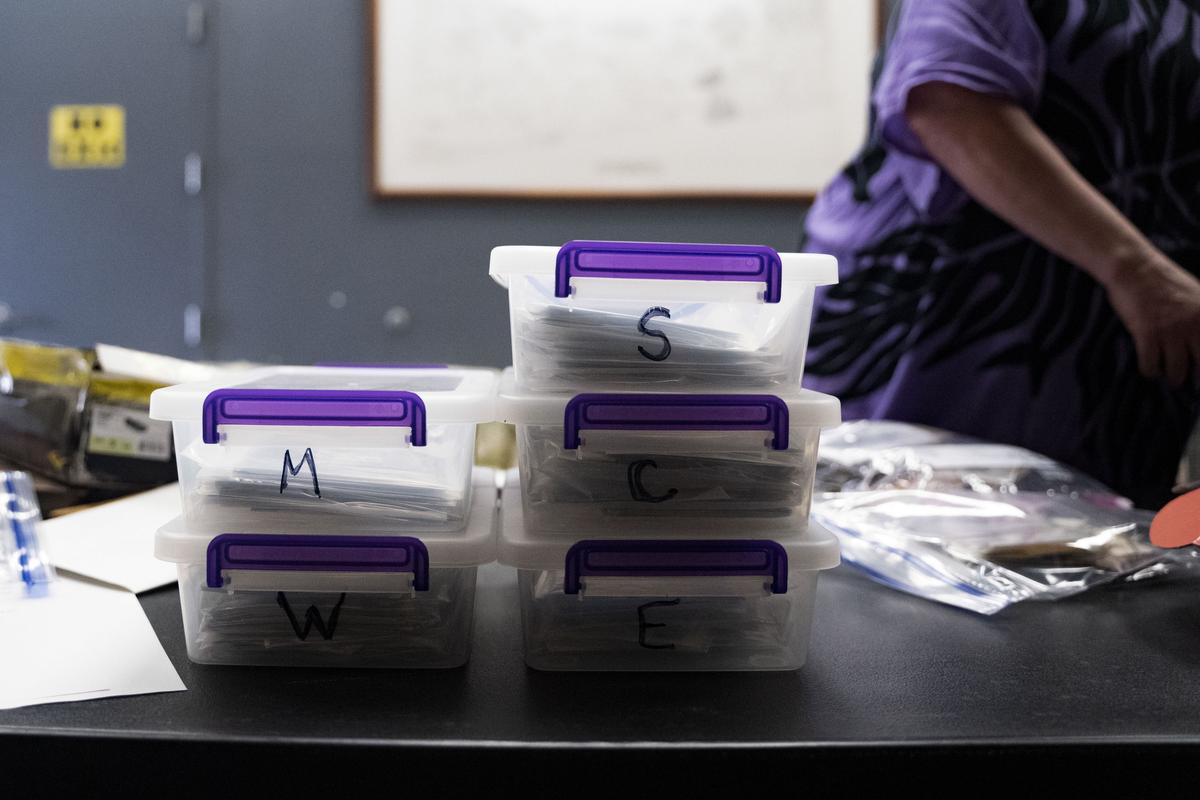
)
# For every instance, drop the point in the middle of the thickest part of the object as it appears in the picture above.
(128, 432)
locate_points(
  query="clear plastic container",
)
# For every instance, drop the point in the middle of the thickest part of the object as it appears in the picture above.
(671, 602)
(321, 449)
(330, 600)
(639, 460)
(637, 315)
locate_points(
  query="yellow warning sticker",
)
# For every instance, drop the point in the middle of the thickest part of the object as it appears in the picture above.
(83, 137)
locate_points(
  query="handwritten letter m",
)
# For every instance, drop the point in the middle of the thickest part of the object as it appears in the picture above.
(293, 470)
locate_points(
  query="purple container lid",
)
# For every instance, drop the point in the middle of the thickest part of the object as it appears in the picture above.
(315, 407)
(324, 553)
(675, 558)
(748, 263)
(684, 412)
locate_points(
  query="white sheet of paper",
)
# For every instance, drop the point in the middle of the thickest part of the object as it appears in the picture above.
(114, 542)
(157, 368)
(81, 642)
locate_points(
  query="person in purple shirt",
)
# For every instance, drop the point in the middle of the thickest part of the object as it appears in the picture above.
(1019, 236)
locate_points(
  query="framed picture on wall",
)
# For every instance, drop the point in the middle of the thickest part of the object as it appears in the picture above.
(621, 98)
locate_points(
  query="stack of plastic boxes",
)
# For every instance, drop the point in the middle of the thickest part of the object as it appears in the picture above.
(330, 515)
(666, 454)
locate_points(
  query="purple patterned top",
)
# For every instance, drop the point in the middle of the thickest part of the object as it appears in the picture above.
(946, 315)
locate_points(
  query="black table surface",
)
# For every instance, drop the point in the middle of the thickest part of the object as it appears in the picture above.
(1103, 687)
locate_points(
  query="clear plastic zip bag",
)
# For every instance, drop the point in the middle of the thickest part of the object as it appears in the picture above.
(880, 454)
(25, 569)
(971, 524)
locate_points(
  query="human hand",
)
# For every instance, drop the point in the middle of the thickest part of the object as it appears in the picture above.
(1159, 302)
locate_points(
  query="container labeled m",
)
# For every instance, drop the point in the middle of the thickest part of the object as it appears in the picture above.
(292, 470)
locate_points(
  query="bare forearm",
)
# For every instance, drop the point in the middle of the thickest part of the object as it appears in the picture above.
(1001, 158)
(995, 151)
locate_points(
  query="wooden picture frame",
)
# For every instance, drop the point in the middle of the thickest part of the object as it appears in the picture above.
(390, 154)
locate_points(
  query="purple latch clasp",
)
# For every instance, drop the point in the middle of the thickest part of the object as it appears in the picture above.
(675, 558)
(313, 407)
(749, 263)
(295, 553)
(376, 365)
(685, 412)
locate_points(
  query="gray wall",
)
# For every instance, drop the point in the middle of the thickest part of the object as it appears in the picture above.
(105, 253)
(287, 217)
